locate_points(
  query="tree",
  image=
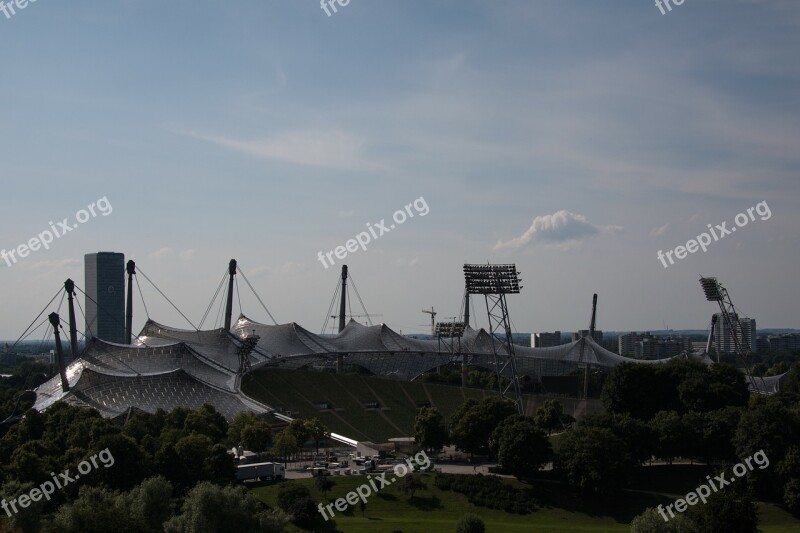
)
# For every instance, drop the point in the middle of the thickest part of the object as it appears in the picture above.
(316, 430)
(411, 484)
(650, 521)
(632, 388)
(323, 484)
(210, 508)
(303, 511)
(549, 415)
(96, 510)
(470, 523)
(286, 444)
(299, 430)
(150, 503)
(257, 436)
(594, 460)
(207, 421)
(520, 446)
(289, 492)
(670, 434)
(731, 510)
(472, 427)
(26, 519)
(429, 431)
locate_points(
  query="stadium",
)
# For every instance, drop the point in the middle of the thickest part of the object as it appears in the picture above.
(166, 367)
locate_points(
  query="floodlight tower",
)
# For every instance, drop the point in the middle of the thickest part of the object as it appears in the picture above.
(449, 335)
(715, 292)
(494, 282)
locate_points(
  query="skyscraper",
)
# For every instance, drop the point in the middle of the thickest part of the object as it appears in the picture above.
(723, 340)
(105, 296)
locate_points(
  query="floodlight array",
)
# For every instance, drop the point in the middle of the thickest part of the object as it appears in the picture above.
(492, 279)
(449, 329)
(712, 289)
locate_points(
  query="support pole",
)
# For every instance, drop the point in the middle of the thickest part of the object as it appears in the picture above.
(466, 308)
(131, 269)
(229, 305)
(343, 306)
(62, 367)
(710, 343)
(591, 334)
(69, 286)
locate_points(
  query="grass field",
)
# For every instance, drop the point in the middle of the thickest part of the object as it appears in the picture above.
(302, 391)
(435, 510)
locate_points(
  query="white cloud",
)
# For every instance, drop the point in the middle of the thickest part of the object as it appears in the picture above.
(347, 214)
(657, 232)
(562, 227)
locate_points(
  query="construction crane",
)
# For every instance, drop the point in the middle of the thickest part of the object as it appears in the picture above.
(432, 312)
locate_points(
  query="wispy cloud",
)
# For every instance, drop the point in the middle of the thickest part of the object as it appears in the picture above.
(657, 232)
(560, 228)
(335, 148)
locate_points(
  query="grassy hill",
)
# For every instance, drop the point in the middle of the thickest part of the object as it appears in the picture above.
(351, 398)
(435, 510)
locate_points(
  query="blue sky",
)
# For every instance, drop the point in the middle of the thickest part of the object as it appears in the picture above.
(268, 131)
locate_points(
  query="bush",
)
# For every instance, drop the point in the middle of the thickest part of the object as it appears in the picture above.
(289, 493)
(488, 491)
(470, 523)
(303, 511)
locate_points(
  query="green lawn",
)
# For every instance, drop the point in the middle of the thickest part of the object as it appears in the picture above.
(436, 510)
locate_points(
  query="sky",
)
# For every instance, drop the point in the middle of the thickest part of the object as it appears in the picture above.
(574, 138)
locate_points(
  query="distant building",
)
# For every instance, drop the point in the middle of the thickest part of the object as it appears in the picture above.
(656, 348)
(723, 340)
(788, 342)
(105, 296)
(627, 343)
(762, 344)
(598, 335)
(543, 340)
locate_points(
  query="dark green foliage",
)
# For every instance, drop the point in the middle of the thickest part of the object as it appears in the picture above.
(472, 426)
(212, 509)
(679, 385)
(290, 492)
(429, 430)
(731, 510)
(520, 446)
(594, 460)
(488, 491)
(470, 523)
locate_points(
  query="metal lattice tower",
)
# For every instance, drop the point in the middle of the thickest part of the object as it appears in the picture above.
(494, 282)
(715, 292)
(449, 336)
